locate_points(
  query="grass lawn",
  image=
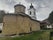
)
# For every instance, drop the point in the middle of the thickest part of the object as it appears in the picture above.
(39, 35)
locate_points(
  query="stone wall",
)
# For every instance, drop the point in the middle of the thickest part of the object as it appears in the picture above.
(19, 9)
(9, 24)
(23, 24)
(19, 24)
(35, 25)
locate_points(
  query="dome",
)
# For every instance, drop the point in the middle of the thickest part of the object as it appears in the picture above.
(19, 5)
(19, 8)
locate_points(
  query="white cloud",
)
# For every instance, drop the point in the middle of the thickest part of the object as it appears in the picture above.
(7, 5)
(43, 7)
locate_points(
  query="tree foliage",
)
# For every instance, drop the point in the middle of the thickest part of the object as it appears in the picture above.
(50, 18)
(1, 16)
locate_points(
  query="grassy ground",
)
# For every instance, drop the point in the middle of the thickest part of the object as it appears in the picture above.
(40, 35)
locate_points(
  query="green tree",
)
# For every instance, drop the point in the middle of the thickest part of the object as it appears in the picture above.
(50, 18)
(1, 15)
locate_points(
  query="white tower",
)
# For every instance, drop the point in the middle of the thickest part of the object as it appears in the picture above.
(32, 12)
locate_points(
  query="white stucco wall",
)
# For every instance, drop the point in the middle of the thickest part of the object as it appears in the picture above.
(49, 26)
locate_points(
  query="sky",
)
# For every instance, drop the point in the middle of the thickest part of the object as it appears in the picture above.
(43, 7)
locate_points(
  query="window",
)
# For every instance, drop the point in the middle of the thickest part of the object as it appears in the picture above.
(30, 12)
(30, 29)
(34, 13)
(0, 31)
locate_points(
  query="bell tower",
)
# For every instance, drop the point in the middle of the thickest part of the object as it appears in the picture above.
(32, 12)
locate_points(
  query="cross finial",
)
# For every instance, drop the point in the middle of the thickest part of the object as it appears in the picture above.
(31, 4)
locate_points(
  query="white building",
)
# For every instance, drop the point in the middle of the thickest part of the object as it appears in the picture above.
(32, 12)
(49, 26)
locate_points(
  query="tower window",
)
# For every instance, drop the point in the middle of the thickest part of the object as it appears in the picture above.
(30, 12)
(0, 31)
(34, 13)
(30, 29)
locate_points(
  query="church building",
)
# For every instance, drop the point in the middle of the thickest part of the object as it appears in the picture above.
(19, 22)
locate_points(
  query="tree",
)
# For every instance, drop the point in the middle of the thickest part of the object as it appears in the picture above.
(1, 15)
(50, 18)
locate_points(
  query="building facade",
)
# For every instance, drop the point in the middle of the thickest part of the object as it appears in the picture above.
(19, 22)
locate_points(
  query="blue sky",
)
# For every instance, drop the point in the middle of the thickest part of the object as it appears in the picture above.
(43, 7)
